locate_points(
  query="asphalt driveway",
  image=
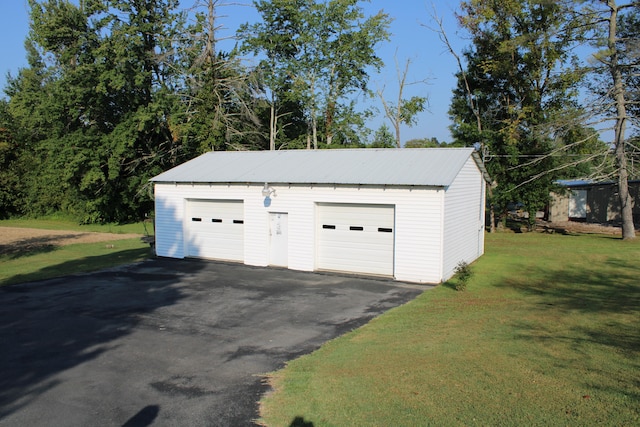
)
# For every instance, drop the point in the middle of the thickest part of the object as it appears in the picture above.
(168, 342)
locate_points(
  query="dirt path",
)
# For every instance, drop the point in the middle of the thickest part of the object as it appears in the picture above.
(579, 227)
(14, 239)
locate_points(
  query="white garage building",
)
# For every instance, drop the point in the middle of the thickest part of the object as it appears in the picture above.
(411, 214)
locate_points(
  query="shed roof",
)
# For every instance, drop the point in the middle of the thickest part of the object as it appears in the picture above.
(408, 166)
(575, 183)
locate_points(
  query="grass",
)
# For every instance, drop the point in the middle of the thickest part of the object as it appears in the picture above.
(546, 333)
(48, 261)
(62, 223)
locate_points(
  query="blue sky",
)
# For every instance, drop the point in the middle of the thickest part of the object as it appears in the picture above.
(410, 39)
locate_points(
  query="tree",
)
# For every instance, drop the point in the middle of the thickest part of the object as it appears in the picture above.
(321, 51)
(10, 170)
(383, 138)
(48, 103)
(616, 33)
(424, 143)
(404, 111)
(276, 37)
(347, 46)
(94, 104)
(219, 111)
(519, 90)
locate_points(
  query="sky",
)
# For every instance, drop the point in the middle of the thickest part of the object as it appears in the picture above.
(432, 66)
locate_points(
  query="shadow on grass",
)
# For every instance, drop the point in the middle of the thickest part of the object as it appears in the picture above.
(300, 422)
(32, 246)
(81, 265)
(586, 311)
(611, 286)
(52, 326)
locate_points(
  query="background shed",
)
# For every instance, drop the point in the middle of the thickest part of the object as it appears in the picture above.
(592, 202)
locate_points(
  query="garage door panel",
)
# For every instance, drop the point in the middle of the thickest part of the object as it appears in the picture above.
(371, 247)
(345, 264)
(215, 229)
(356, 238)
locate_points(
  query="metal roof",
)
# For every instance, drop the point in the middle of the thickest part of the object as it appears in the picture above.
(573, 183)
(391, 166)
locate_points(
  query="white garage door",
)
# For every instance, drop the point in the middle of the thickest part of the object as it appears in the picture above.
(355, 238)
(215, 229)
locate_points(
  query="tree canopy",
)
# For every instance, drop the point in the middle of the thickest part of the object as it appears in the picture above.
(520, 97)
(316, 54)
(117, 91)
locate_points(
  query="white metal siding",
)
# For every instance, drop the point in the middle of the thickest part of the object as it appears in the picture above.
(419, 236)
(355, 238)
(463, 219)
(418, 221)
(417, 243)
(169, 214)
(214, 229)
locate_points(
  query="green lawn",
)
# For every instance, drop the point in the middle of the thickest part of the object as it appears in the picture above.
(62, 223)
(547, 333)
(48, 261)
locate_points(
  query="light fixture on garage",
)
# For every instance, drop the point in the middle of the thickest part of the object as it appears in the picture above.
(267, 190)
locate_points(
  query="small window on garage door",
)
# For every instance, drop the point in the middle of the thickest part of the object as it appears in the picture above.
(356, 238)
(215, 229)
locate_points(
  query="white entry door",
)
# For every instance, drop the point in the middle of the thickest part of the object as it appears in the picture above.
(355, 238)
(279, 236)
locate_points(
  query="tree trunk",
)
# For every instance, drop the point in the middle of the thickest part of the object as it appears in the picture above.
(626, 206)
(211, 31)
(626, 212)
(329, 122)
(272, 126)
(314, 130)
(314, 119)
(492, 212)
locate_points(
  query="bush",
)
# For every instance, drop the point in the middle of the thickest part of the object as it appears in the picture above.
(463, 274)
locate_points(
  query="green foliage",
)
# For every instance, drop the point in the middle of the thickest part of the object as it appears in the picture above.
(10, 168)
(523, 80)
(424, 143)
(383, 138)
(92, 110)
(410, 108)
(629, 26)
(317, 53)
(463, 274)
(117, 91)
(403, 111)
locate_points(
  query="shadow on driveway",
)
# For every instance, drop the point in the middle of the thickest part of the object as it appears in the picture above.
(168, 342)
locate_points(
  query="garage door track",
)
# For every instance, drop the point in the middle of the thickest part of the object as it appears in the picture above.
(168, 342)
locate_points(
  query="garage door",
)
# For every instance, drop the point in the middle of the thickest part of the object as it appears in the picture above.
(215, 229)
(355, 238)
